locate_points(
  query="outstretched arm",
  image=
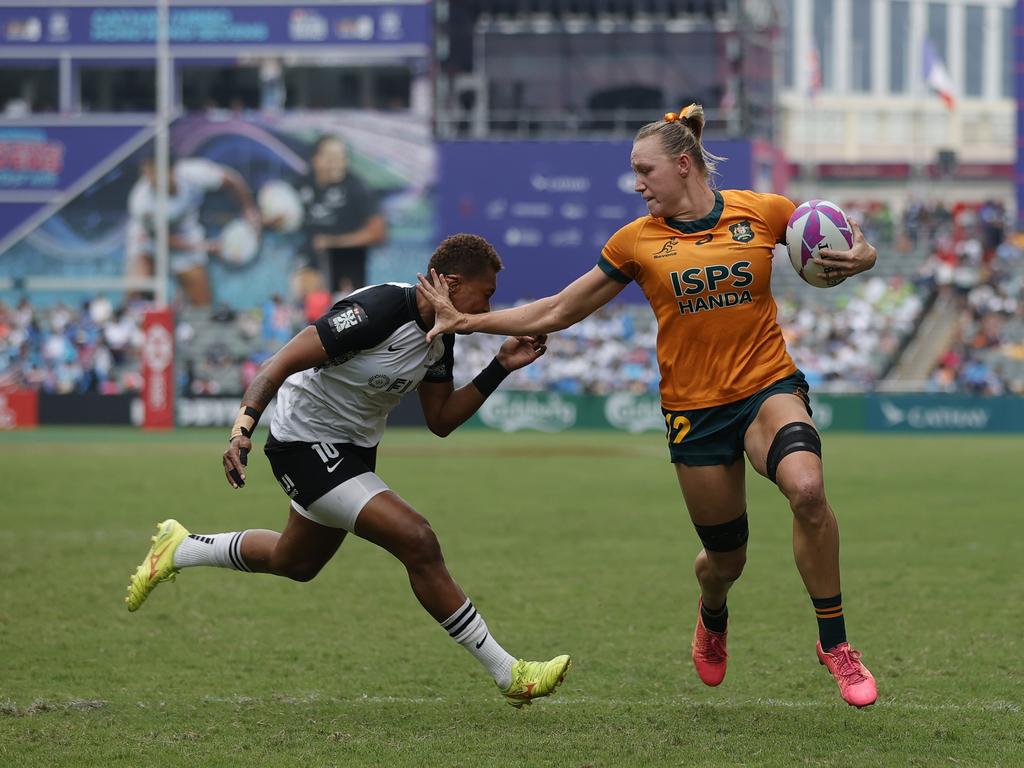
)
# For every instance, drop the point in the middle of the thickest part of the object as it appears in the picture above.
(305, 350)
(445, 408)
(576, 301)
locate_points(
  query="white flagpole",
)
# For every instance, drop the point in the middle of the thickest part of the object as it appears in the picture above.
(161, 266)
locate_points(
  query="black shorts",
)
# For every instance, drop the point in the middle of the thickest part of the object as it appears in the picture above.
(308, 471)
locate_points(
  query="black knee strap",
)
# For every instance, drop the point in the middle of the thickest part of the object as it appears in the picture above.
(726, 537)
(796, 436)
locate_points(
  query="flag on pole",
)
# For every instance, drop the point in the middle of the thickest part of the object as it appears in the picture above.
(813, 72)
(936, 75)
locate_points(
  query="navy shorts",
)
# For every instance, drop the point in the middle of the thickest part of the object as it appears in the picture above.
(705, 437)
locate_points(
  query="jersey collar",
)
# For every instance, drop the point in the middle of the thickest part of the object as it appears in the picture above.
(699, 225)
(414, 311)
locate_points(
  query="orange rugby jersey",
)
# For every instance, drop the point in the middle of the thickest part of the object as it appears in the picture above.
(709, 284)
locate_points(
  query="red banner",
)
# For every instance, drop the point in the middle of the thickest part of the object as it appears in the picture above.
(19, 408)
(158, 370)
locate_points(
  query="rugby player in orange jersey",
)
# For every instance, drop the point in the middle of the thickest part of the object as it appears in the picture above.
(729, 388)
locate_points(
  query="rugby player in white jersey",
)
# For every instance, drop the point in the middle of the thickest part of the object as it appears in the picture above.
(335, 382)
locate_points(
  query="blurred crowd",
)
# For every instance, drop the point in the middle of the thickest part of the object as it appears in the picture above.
(980, 271)
(848, 341)
(844, 339)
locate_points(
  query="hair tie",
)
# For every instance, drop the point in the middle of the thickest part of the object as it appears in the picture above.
(671, 117)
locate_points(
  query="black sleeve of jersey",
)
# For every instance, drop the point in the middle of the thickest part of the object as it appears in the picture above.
(444, 369)
(363, 320)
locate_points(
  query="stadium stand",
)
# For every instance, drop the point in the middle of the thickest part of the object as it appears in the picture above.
(942, 311)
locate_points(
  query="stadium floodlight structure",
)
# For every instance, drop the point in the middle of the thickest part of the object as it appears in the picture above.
(567, 68)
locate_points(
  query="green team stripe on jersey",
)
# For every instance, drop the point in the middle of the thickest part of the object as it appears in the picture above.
(612, 271)
(699, 225)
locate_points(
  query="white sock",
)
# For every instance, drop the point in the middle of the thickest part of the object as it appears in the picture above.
(468, 629)
(222, 550)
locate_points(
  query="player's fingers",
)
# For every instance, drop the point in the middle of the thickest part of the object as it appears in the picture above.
(233, 474)
(828, 256)
(440, 282)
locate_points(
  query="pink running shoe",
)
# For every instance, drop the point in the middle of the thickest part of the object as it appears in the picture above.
(708, 651)
(856, 683)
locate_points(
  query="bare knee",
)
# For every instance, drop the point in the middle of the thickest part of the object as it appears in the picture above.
(806, 494)
(418, 545)
(728, 566)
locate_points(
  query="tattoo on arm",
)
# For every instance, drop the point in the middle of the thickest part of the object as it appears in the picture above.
(260, 392)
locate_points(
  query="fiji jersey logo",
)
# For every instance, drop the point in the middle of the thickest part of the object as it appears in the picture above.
(668, 249)
(350, 318)
(742, 231)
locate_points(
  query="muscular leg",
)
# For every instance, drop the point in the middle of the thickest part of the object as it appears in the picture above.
(390, 523)
(799, 477)
(815, 540)
(304, 547)
(298, 552)
(715, 495)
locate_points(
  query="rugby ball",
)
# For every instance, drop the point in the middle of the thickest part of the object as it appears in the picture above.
(239, 242)
(280, 205)
(814, 225)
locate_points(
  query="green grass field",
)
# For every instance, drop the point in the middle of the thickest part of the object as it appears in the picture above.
(574, 543)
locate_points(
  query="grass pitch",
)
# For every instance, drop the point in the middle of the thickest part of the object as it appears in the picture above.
(573, 543)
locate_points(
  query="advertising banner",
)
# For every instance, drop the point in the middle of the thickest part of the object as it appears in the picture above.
(158, 370)
(839, 413)
(944, 413)
(19, 409)
(549, 206)
(39, 164)
(511, 411)
(58, 28)
(88, 236)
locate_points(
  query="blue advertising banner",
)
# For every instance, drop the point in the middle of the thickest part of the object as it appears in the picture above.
(58, 28)
(40, 163)
(549, 206)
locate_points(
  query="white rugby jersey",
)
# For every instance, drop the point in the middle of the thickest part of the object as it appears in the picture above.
(377, 343)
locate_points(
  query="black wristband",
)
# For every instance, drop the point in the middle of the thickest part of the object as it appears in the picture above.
(490, 377)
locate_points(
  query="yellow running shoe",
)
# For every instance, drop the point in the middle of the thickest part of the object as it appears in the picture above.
(535, 679)
(158, 565)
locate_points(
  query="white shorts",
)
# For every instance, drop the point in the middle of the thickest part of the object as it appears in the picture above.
(340, 506)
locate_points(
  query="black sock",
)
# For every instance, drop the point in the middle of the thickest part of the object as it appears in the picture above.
(831, 625)
(714, 621)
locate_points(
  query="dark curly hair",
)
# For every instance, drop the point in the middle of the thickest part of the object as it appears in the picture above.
(466, 255)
